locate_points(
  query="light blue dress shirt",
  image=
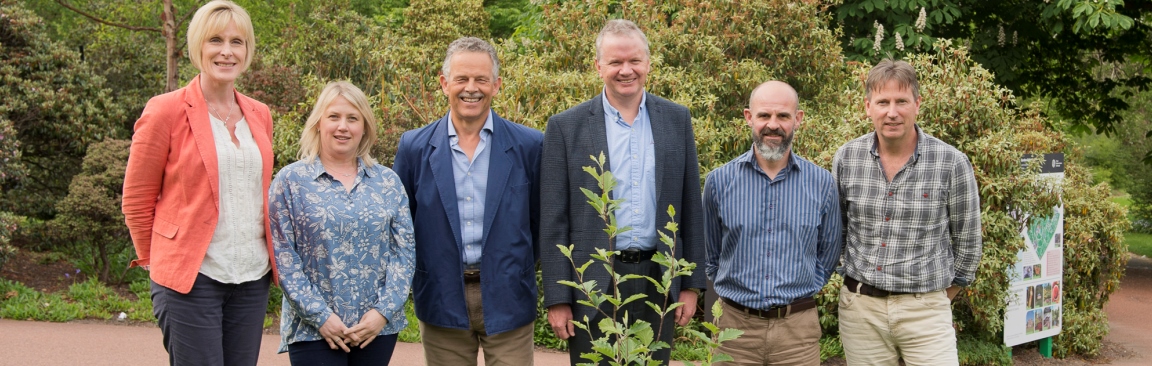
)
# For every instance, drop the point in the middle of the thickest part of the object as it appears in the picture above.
(632, 159)
(471, 179)
(770, 241)
(340, 252)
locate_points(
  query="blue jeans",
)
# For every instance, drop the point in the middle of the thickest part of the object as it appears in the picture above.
(213, 324)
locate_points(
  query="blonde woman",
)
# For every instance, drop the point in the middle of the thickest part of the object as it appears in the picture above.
(343, 239)
(200, 161)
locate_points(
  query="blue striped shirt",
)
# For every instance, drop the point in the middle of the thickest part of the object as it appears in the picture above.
(770, 241)
(632, 159)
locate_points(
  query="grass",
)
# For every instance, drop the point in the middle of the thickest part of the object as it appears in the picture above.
(1138, 243)
(84, 300)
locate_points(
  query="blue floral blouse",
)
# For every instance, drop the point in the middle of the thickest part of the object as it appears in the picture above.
(340, 252)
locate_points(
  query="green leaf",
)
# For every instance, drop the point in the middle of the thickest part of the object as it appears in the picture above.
(728, 334)
(634, 298)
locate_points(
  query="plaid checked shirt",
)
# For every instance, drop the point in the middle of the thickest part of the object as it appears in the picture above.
(918, 233)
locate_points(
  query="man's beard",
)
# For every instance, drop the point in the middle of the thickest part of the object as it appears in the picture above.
(766, 150)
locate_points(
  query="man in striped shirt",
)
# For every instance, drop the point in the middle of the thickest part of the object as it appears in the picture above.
(773, 228)
(912, 238)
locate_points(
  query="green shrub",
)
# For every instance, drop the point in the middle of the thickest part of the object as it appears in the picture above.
(52, 106)
(90, 227)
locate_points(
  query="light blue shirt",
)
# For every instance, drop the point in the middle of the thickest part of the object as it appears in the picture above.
(633, 163)
(340, 252)
(471, 179)
(770, 241)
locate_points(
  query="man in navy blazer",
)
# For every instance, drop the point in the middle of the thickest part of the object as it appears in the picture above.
(472, 180)
(651, 152)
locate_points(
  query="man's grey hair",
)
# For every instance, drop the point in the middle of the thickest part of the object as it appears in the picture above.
(621, 28)
(471, 44)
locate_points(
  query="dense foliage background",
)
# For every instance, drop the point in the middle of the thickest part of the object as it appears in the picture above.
(72, 86)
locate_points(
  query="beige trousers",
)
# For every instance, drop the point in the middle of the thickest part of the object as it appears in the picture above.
(792, 340)
(459, 347)
(882, 330)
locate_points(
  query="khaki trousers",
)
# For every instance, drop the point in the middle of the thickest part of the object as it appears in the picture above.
(792, 340)
(882, 330)
(459, 347)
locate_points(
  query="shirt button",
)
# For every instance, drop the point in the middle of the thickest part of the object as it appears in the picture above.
(469, 223)
(769, 230)
(889, 194)
(467, 198)
(635, 211)
(883, 244)
(887, 218)
(469, 174)
(878, 268)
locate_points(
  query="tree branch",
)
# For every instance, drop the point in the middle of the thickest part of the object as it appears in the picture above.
(98, 20)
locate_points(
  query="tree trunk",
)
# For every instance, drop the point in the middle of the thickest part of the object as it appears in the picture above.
(173, 51)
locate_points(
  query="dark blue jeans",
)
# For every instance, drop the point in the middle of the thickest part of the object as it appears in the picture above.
(317, 353)
(214, 324)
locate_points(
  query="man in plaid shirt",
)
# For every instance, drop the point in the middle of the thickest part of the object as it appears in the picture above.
(912, 230)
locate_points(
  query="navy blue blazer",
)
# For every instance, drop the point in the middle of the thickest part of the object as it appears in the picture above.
(511, 222)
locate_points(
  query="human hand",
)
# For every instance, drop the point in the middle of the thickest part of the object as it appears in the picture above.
(560, 317)
(367, 329)
(685, 312)
(333, 332)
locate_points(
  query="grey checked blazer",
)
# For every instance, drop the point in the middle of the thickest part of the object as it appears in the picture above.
(566, 218)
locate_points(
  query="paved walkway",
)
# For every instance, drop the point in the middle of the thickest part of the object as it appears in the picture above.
(40, 343)
(1127, 310)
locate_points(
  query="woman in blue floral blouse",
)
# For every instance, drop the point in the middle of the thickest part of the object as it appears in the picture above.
(343, 239)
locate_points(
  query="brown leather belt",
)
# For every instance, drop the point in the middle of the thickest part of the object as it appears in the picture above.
(471, 276)
(866, 289)
(635, 255)
(775, 312)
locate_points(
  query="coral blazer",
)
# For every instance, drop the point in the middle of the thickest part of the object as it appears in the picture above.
(172, 186)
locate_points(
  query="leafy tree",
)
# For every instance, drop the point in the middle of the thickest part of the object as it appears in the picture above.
(57, 106)
(172, 23)
(1051, 50)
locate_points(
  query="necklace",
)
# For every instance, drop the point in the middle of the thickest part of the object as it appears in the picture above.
(330, 170)
(227, 117)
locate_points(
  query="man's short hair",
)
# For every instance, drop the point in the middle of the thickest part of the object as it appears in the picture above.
(621, 28)
(471, 44)
(888, 70)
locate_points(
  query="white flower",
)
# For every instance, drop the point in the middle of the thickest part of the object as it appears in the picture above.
(1000, 37)
(122, 316)
(879, 37)
(922, 20)
(899, 42)
(1013, 38)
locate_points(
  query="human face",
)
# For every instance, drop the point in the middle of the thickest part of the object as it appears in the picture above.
(341, 129)
(623, 66)
(470, 86)
(222, 55)
(773, 116)
(893, 111)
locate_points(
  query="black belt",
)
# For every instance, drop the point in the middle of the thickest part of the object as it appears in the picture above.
(635, 255)
(775, 312)
(472, 276)
(866, 289)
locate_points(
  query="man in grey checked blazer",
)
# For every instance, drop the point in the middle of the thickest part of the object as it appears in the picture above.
(651, 150)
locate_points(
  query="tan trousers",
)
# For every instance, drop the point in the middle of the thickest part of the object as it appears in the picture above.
(882, 330)
(459, 347)
(792, 340)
